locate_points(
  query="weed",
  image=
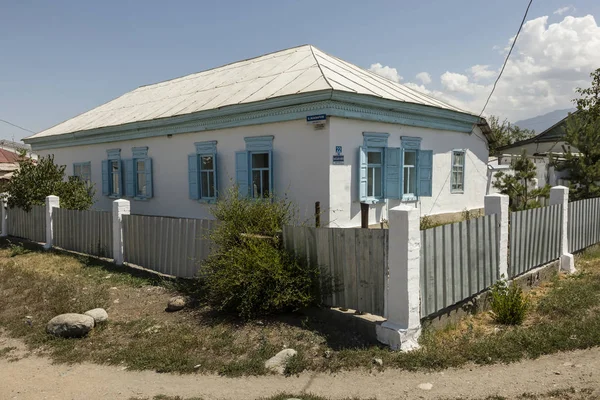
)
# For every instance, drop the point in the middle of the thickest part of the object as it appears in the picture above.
(17, 250)
(508, 303)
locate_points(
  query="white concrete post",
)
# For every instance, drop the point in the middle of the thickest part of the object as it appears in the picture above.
(120, 207)
(52, 202)
(4, 215)
(560, 195)
(498, 204)
(402, 292)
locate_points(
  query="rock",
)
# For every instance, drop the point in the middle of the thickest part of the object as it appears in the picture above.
(197, 366)
(425, 386)
(567, 364)
(99, 315)
(176, 303)
(327, 354)
(70, 325)
(378, 361)
(278, 362)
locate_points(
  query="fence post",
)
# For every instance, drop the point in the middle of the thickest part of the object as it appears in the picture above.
(498, 204)
(560, 195)
(52, 202)
(3, 205)
(402, 290)
(120, 207)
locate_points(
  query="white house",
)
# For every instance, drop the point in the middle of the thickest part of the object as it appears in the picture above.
(297, 122)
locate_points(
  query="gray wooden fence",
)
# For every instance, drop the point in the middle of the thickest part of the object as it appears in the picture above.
(535, 238)
(28, 225)
(172, 246)
(88, 232)
(355, 258)
(584, 224)
(457, 261)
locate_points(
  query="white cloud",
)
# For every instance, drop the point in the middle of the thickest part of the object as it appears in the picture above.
(481, 72)
(424, 77)
(563, 10)
(386, 72)
(549, 61)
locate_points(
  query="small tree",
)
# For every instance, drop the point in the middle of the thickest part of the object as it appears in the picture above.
(583, 134)
(34, 181)
(520, 187)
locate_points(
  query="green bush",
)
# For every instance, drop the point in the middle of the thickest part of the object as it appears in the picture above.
(250, 274)
(508, 303)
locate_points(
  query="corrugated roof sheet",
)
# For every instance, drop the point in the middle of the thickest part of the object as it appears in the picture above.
(298, 70)
(7, 156)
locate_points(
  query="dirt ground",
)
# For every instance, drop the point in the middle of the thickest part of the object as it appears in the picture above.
(35, 378)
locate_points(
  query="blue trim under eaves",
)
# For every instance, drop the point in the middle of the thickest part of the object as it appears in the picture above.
(362, 107)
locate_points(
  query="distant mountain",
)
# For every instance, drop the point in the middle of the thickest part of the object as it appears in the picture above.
(543, 122)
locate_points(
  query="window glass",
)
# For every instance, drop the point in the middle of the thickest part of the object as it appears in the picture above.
(77, 170)
(409, 173)
(260, 160)
(140, 168)
(374, 174)
(458, 171)
(115, 181)
(206, 163)
(374, 157)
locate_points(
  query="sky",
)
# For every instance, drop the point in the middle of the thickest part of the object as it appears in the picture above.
(61, 58)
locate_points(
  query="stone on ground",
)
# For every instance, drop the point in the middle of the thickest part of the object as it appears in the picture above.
(378, 361)
(278, 362)
(176, 303)
(99, 314)
(70, 325)
(426, 386)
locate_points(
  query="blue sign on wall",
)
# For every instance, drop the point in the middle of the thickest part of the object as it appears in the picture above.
(338, 150)
(316, 118)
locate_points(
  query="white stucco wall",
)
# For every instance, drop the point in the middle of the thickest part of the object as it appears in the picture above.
(300, 161)
(344, 203)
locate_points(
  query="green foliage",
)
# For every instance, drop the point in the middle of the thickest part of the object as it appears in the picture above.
(427, 223)
(17, 250)
(504, 133)
(508, 303)
(251, 274)
(34, 181)
(519, 187)
(582, 158)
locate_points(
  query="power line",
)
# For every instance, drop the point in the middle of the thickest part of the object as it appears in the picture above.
(507, 57)
(16, 126)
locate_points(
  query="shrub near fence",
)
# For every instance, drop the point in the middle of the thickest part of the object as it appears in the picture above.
(457, 261)
(355, 258)
(172, 246)
(88, 232)
(28, 225)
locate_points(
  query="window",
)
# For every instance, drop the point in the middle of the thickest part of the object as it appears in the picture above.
(207, 173)
(261, 171)
(138, 174)
(374, 174)
(112, 174)
(457, 184)
(254, 167)
(115, 178)
(403, 173)
(202, 172)
(83, 171)
(409, 175)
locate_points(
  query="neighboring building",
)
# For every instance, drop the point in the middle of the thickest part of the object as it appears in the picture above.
(17, 147)
(297, 122)
(542, 149)
(9, 163)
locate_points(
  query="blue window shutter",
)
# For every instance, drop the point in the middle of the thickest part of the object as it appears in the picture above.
(425, 173)
(105, 184)
(241, 172)
(393, 167)
(148, 165)
(129, 178)
(362, 173)
(194, 187)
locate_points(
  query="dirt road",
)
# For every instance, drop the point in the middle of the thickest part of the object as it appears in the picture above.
(37, 378)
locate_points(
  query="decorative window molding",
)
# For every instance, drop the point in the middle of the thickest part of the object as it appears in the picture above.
(140, 152)
(207, 147)
(375, 139)
(410, 142)
(113, 154)
(259, 143)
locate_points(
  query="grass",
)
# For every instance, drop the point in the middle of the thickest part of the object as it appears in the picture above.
(35, 286)
(560, 394)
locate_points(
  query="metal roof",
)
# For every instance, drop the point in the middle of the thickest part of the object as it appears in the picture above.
(293, 71)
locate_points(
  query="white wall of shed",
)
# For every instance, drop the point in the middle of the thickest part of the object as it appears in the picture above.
(300, 162)
(343, 182)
